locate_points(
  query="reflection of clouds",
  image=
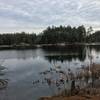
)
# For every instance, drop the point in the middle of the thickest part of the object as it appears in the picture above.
(23, 54)
(2, 67)
(2, 71)
(20, 69)
(20, 54)
(38, 58)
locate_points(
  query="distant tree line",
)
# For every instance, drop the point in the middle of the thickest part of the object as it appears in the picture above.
(52, 35)
(63, 34)
(17, 38)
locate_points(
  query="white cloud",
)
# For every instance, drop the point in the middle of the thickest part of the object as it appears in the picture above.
(16, 14)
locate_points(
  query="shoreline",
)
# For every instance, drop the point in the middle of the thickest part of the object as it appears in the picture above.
(84, 97)
(28, 46)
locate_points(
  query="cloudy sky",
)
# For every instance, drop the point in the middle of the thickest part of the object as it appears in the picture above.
(36, 15)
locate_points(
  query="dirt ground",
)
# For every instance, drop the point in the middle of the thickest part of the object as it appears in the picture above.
(72, 98)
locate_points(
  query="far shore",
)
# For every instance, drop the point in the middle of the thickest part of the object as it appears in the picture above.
(28, 46)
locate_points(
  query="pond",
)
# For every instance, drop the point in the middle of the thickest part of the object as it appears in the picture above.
(23, 68)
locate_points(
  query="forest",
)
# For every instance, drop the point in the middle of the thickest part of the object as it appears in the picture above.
(52, 35)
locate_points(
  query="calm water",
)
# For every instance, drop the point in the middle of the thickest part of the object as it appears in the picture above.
(22, 67)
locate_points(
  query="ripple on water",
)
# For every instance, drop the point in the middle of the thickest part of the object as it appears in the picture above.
(3, 83)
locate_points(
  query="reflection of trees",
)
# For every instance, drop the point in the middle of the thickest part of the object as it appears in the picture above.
(21, 54)
(24, 54)
(95, 47)
(66, 53)
(81, 81)
(67, 48)
(61, 57)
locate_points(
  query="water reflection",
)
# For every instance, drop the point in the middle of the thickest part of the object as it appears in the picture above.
(63, 58)
(47, 71)
(3, 82)
(95, 47)
(65, 53)
(68, 82)
(2, 68)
